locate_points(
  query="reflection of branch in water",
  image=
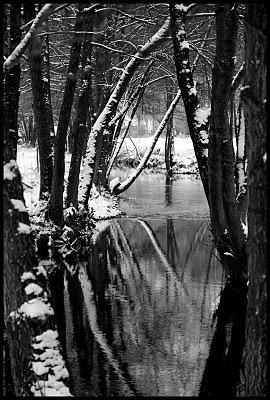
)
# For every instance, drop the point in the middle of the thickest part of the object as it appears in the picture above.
(222, 370)
(197, 239)
(100, 336)
(166, 264)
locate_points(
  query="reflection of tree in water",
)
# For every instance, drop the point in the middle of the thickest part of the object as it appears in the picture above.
(129, 318)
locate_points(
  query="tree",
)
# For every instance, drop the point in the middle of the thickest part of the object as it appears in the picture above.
(26, 322)
(38, 67)
(254, 99)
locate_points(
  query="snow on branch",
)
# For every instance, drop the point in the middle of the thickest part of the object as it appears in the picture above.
(20, 49)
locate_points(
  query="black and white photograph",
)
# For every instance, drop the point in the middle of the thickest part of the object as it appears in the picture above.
(134, 199)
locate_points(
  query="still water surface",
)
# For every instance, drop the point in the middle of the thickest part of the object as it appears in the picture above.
(137, 315)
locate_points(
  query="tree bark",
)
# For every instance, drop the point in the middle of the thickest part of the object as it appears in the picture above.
(222, 196)
(40, 94)
(254, 99)
(21, 325)
(12, 79)
(80, 123)
(197, 118)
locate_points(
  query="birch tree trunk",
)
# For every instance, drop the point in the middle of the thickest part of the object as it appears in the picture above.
(254, 99)
(101, 125)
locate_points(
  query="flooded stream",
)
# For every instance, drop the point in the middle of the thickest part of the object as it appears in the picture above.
(136, 316)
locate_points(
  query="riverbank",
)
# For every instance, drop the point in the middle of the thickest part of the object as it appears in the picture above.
(184, 159)
(132, 151)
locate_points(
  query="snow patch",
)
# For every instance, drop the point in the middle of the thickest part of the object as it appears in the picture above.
(18, 205)
(27, 275)
(184, 45)
(47, 339)
(33, 288)
(23, 228)
(265, 157)
(201, 116)
(41, 271)
(181, 7)
(39, 368)
(36, 308)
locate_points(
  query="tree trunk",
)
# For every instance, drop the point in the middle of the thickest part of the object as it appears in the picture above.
(169, 135)
(101, 124)
(197, 118)
(80, 123)
(40, 95)
(222, 195)
(56, 198)
(12, 79)
(254, 98)
(23, 320)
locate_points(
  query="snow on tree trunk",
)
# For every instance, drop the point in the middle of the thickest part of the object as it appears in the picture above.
(80, 123)
(22, 46)
(254, 99)
(197, 118)
(28, 315)
(115, 185)
(101, 124)
(169, 141)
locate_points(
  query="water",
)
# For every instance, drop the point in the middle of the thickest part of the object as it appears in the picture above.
(136, 316)
(153, 195)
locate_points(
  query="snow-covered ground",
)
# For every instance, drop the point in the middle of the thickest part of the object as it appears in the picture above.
(103, 207)
(183, 147)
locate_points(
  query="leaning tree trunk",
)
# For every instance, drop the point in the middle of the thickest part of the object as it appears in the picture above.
(36, 65)
(102, 123)
(254, 99)
(197, 118)
(115, 184)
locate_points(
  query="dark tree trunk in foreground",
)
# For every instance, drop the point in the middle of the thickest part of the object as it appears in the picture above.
(222, 194)
(40, 94)
(24, 277)
(254, 98)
